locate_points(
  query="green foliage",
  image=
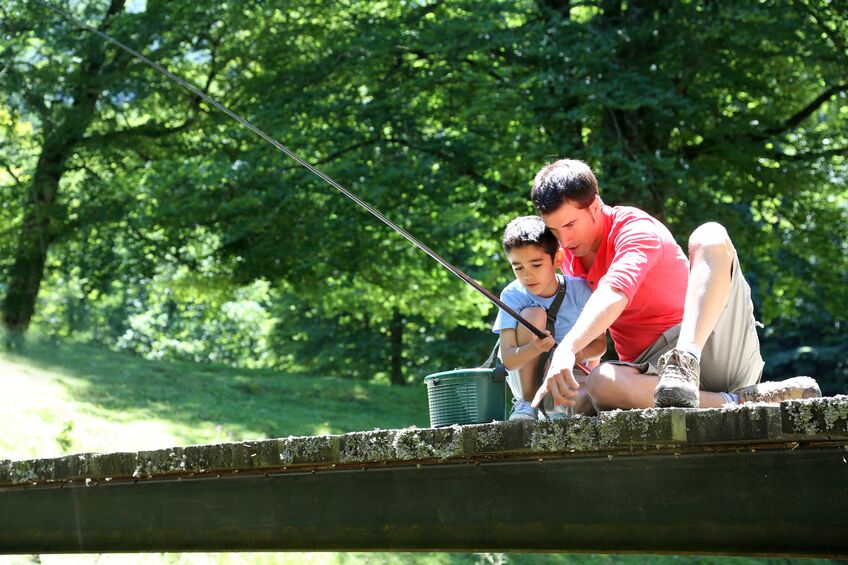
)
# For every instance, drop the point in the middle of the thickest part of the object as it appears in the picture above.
(64, 438)
(438, 114)
(175, 315)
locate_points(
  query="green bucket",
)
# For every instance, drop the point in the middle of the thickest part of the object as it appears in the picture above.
(466, 396)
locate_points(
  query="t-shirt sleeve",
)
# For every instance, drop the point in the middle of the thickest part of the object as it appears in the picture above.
(580, 291)
(513, 298)
(638, 247)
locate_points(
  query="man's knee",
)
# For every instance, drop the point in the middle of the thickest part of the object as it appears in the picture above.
(601, 383)
(712, 241)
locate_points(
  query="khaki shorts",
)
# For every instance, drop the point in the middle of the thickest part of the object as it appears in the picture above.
(731, 358)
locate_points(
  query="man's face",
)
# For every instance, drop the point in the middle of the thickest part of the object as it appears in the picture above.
(578, 230)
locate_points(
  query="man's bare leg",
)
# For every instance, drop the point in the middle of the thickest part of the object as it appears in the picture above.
(711, 256)
(582, 402)
(613, 386)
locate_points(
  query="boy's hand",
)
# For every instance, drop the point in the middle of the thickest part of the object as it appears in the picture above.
(560, 381)
(543, 344)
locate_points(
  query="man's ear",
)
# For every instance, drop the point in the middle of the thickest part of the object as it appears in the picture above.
(596, 204)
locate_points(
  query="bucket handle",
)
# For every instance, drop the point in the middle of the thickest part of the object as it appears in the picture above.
(494, 362)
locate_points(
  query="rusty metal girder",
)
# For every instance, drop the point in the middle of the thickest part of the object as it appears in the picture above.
(780, 501)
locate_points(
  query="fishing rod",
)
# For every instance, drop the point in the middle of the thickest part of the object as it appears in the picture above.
(305, 164)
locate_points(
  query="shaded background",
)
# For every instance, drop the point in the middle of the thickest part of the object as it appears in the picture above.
(135, 217)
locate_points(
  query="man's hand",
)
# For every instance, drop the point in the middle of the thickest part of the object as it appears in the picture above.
(559, 381)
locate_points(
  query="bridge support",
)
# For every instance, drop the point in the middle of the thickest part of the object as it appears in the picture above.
(751, 496)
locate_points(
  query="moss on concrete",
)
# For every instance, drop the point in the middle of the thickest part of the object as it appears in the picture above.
(361, 447)
(428, 443)
(575, 433)
(818, 416)
(823, 419)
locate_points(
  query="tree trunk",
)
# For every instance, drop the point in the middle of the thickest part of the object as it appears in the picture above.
(397, 374)
(43, 219)
(37, 233)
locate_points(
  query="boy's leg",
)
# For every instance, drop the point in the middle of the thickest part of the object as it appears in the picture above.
(527, 374)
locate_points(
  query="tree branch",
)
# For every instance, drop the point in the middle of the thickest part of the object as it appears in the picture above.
(813, 155)
(146, 130)
(87, 169)
(334, 155)
(691, 152)
(450, 160)
(807, 110)
(11, 173)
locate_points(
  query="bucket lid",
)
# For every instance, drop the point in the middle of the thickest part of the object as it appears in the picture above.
(460, 373)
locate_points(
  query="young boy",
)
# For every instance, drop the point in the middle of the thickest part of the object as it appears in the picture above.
(534, 253)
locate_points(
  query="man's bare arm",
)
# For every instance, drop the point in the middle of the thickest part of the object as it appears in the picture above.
(594, 351)
(602, 309)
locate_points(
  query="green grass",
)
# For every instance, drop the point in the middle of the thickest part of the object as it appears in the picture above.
(71, 397)
(61, 398)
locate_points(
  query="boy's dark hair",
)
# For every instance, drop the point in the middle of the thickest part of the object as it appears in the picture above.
(566, 180)
(530, 230)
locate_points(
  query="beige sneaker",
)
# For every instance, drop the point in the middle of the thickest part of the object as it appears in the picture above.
(796, 388)
(680, 379)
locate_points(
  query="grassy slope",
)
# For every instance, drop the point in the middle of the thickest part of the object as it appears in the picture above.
(62, 398)
(69, 398)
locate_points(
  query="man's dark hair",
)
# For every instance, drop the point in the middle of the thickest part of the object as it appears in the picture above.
(530, 230)
(566, 180)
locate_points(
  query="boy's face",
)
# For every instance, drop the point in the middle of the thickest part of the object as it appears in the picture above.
(579, 230)
(535, 269)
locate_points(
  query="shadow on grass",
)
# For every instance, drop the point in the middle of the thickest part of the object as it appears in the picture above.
(240, 403)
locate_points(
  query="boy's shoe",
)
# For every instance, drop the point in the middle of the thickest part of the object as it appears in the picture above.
(521, 410)
(557, 412)
(796, 388)
(680, 379)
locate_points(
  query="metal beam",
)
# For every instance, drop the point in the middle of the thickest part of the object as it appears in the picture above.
(791, 502)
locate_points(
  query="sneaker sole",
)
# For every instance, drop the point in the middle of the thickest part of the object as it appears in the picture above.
(674, 398)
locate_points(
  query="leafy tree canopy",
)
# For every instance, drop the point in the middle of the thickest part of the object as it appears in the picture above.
(437, 113)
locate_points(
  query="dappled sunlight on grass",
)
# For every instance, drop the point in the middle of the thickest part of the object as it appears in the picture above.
(82, 398)
(323, 429)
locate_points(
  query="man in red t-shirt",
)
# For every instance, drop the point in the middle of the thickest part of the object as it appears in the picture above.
(685, 334)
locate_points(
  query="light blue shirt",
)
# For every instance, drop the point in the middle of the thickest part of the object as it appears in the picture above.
(577, 293)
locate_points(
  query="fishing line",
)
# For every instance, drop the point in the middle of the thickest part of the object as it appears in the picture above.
(305, 164)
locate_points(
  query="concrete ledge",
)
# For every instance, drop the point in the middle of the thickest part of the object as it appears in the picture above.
(632, 431)
(824, 417)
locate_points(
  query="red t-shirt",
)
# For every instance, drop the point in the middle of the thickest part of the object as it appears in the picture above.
(639, 257)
